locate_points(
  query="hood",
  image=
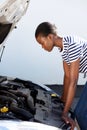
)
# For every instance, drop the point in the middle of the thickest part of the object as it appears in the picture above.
(11, 12)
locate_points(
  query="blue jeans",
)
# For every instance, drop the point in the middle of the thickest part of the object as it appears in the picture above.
(81, 109)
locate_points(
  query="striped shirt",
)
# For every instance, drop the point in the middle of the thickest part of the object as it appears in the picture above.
(75, 48)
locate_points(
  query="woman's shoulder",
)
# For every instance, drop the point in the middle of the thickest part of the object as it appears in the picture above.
(73, 39)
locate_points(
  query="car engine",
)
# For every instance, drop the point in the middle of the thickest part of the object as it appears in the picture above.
(28, 101)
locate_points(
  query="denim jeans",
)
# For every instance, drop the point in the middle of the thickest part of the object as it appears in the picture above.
(81, 109)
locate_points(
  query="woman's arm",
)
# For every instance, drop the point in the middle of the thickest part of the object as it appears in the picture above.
(65, 81)
(72, 82)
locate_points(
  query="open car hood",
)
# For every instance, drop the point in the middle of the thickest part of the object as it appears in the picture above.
(11, 12)
(23, 102)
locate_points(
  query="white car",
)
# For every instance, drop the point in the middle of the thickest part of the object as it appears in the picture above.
(25, 105)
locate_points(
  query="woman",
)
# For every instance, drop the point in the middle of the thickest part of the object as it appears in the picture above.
(74, 54)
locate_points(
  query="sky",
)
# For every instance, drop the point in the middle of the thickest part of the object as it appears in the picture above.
(24, 58)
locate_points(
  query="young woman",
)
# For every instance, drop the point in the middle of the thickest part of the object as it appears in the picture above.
(74, 54)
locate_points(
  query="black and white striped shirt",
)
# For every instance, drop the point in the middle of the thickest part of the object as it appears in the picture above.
(75, 48)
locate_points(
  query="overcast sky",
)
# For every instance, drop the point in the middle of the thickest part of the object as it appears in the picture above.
(24, 58)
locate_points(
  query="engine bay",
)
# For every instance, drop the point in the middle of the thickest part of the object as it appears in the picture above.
(27, 101)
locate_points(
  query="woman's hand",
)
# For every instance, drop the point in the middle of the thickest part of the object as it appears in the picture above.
(68, 120)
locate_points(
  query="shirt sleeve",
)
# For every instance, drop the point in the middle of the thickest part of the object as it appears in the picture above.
(74, 51)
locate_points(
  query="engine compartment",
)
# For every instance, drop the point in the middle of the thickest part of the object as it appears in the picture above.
(27, 101)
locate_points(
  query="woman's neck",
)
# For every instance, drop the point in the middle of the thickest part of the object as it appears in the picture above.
(59, 42)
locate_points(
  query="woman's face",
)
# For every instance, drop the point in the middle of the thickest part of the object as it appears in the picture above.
(46, 42)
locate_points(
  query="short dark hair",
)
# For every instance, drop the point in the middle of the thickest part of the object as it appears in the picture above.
(44, 29)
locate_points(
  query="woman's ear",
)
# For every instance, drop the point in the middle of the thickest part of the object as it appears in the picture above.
(50, 36)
